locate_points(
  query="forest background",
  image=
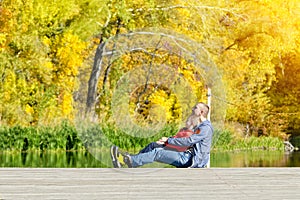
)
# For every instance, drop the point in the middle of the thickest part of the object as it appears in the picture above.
(47, 50)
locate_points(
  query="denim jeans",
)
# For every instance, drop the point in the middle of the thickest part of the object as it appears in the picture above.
(177, 159)
(151, 146)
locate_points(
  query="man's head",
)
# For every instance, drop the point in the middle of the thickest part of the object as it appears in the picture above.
(201, 110)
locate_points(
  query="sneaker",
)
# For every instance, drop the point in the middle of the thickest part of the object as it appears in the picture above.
(127, 160)
(120, 159)
(114, 157)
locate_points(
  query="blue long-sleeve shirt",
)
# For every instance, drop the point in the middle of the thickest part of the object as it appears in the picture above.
(201, 143)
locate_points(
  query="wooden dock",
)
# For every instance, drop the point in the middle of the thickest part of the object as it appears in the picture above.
(150, 183)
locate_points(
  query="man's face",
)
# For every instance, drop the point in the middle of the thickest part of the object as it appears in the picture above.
(197, 110)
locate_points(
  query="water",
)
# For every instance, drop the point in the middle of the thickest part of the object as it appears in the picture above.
(86, 160)
(256, 159)
(49, 159)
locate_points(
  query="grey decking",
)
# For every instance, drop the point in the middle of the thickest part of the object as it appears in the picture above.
(147, 183)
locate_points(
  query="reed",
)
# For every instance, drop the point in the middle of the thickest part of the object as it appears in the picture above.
(17, 138)
(225, 141)
(68, 138)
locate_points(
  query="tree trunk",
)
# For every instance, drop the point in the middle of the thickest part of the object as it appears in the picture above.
(93, 81)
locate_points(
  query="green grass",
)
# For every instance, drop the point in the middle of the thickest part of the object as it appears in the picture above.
(67, 137)
(17, 138)
(224, 141)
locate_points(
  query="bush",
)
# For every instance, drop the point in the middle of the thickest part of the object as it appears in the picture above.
(224, 141)
(63, 137)
(67, 137)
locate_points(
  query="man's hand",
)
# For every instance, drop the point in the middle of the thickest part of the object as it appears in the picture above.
(162, 140)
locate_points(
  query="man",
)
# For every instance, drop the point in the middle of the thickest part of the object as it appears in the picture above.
(197, 156)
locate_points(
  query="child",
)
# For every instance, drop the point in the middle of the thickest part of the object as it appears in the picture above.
(187, 131)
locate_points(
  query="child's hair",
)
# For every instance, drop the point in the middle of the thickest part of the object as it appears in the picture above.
(192, 121)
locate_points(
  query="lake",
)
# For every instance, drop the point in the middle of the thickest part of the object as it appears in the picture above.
(99, 159)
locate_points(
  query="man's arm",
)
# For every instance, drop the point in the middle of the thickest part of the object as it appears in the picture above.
(193, 139)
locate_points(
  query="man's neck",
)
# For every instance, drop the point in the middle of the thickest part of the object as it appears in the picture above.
(202, 119)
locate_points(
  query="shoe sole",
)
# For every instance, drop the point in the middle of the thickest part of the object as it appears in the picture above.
(114, 155)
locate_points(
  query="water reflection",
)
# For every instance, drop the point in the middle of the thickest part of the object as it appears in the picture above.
(23, 155)
(49, 159)
(255, 159)
(70, 157)
(84, 159)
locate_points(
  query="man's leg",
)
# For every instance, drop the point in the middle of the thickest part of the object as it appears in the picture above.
(177, 159)
(150, 147)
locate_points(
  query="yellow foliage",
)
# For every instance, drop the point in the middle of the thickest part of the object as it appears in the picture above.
(29, 109)
(166, 101)
(2, 41)
(67, 105)
(43, 45)
(46, 41)
(155, 100)
(69, 52)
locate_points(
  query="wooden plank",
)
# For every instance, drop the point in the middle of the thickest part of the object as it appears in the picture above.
(149, 183)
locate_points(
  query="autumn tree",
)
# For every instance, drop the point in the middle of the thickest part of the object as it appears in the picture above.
(105, 74)
(41, 55)
(254, 42)
(47, 49)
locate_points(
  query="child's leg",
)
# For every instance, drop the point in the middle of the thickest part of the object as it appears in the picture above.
(150, 147)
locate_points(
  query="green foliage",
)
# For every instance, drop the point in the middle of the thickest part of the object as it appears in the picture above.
(96, 137)
(17, 138)
(67, 137)
(225, 141)
(222, 138)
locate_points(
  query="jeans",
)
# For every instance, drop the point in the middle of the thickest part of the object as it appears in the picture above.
(177, 159)
(151, 146)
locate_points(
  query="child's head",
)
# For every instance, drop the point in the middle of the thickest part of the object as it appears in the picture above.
(191, 122)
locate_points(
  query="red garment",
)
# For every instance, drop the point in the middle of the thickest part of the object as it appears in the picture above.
(181, 134)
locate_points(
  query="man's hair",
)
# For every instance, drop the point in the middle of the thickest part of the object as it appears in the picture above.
(205, 108)
(192, 121)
